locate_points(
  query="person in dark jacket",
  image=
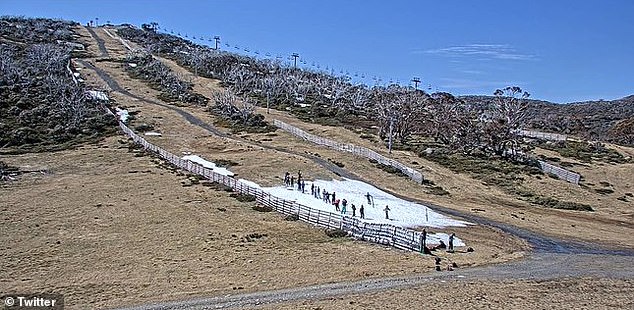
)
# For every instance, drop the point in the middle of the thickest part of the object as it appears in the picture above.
(451, 237)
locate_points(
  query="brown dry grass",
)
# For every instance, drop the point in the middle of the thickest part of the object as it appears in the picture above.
(107, 228)
(573, 293)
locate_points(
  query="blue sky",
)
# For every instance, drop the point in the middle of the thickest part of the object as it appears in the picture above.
(561, 51)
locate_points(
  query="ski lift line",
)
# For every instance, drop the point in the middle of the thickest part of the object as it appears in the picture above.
(342, 73)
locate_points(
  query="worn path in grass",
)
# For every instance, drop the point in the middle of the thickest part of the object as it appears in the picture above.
(553, 258)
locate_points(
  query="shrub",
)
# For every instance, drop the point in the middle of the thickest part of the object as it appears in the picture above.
(260, 208)
(437, 190)
(337, 163)
(336, 233)
(241, 197)
(292, 217)
(604, 191)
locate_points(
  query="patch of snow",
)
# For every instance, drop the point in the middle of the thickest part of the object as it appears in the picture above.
(122, 114)
(208, 164)
(249, 183)
(402, 213)
(97, 95)
(76, 74)
(133, 65)
(151, 133)
(304, 105)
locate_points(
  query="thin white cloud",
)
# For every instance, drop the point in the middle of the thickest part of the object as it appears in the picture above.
(481, 51)
(474, 72)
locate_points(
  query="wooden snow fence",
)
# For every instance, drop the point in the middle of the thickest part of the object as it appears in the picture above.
(386, 234)
(561, 173)
(542, 135)
(351, 148)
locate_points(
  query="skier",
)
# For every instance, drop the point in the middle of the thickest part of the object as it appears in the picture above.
(387, 210)
(344, 203)
(450, 249)
(354, 210)
(369, 198)
(361, 213)
(336, 203)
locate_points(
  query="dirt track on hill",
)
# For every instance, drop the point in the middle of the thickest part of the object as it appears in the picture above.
(553, 258)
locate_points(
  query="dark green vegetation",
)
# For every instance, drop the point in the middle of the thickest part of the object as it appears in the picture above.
(243, 197)
(498, 172)
(388, 168)
(336, 233)
(42, 106)
(585, 151)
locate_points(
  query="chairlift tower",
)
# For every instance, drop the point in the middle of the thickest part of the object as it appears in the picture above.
(416, 81)
(295, 56)
(217, 39)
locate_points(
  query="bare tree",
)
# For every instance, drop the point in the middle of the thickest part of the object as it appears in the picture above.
(398, 110)
(10, 71)
(240, 79)
(273, 86)
(232, 107)
(506, 116)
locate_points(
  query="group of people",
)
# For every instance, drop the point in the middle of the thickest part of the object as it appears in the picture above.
(289, 180)
(323, 194)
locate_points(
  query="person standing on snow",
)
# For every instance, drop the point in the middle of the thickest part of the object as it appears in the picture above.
(387, 210)
(450, 249)
(312, 189)
(344, 203)
(336, 203)
(369, 198)
(361, 212)
(333, 196)
(354, 210)
(292, 181)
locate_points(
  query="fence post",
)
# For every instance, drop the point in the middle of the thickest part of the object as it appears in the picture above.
(394, 236)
